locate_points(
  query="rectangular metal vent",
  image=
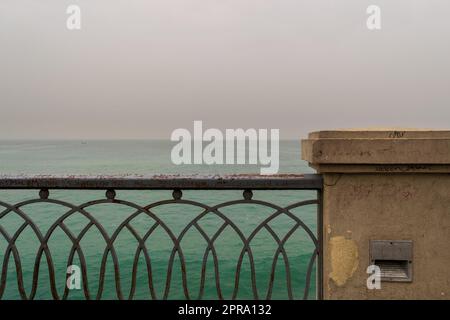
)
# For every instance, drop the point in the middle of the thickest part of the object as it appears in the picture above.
(394, 258)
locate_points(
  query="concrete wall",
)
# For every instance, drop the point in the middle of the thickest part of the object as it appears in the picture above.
(384, 185)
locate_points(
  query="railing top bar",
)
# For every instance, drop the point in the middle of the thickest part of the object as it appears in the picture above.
(241, 181)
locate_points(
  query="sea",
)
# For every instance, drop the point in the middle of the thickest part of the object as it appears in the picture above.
(155, 277)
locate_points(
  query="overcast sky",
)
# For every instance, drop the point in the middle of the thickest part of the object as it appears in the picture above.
(142, 68)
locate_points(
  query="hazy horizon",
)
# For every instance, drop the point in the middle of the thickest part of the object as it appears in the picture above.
(139, 69)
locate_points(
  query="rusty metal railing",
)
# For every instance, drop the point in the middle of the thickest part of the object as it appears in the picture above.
(45, 185)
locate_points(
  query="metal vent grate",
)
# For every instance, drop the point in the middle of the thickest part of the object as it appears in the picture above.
(394, 258)
(393, 269)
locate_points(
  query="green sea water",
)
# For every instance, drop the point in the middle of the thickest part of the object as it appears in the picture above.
(152, 157)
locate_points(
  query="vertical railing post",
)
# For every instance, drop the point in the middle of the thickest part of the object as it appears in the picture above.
(319, 285)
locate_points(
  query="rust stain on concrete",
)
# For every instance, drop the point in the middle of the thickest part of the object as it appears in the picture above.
(344, 259)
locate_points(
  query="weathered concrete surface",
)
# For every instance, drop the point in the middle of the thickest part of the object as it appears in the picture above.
(364, 202)
(372, 147)
(343, 259)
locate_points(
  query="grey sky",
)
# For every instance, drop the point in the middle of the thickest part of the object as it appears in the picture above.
(141, 68)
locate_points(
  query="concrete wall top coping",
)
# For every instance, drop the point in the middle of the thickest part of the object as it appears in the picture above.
(380, 133)
(371, 148)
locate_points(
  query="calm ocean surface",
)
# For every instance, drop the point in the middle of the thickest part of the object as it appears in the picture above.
(151, 157)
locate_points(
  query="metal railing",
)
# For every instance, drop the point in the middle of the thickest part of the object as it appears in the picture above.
(45, 185)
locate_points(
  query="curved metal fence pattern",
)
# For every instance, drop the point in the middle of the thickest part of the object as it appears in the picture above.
(247, 184)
